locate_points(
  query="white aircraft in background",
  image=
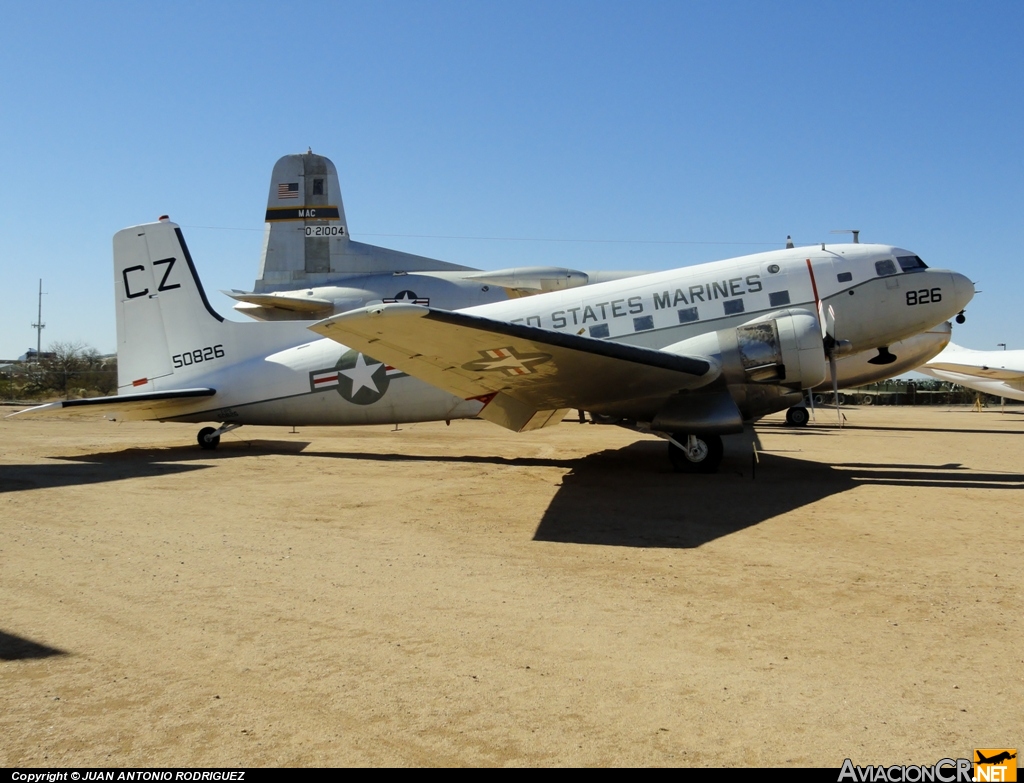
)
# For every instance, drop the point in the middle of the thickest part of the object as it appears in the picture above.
(310, 268)
(1000, 373)
(688, 355)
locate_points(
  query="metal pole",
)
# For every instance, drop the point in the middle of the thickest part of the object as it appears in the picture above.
(39, 325)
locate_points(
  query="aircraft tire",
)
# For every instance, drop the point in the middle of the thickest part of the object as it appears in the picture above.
(797, 417)
(707, 461)
(204, 439)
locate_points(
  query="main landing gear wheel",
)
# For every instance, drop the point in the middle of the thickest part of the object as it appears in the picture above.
(208, 439)
(703, 455)
(797, 417)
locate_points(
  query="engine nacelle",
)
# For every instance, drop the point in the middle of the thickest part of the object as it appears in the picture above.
(782, 348)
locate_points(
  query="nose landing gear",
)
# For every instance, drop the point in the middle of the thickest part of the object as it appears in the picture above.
(960, 317)
(797, 416)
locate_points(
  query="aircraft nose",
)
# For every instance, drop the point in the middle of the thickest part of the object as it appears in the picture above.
(963, 289)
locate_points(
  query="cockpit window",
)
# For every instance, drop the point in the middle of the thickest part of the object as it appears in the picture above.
(885, 268)
(911, 263)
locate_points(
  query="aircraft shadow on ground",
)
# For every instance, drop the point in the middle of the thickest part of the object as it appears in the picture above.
(17, 648)
(18, 478)
(1017, 433)
(628, 497)
(130, 463)
(617, 497)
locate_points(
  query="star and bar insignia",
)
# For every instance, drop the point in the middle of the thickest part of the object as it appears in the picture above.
(357, 378)
(508, 361)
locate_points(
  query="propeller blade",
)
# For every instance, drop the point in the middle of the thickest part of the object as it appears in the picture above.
(817, 301)
(835, 385)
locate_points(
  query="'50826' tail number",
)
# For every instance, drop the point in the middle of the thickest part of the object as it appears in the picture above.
(198, 356)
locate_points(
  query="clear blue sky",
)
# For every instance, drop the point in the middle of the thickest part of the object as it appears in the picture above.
(687, 132)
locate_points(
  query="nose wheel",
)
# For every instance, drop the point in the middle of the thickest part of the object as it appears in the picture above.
(798, 416)
(960, 317)
(695, 453)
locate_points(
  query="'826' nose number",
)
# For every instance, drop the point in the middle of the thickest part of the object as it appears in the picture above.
(924, 296)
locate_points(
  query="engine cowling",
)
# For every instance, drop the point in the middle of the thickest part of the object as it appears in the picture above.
(782, 348)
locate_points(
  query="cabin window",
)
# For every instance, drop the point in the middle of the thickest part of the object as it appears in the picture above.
(688, 315)
(733, 306)
(643, 323)
(911, 263)
(601, 330)
(844, 277)
(778, 298)
(318, 187)
(885, 268)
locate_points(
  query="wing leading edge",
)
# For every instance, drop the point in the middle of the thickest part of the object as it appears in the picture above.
(528, 377)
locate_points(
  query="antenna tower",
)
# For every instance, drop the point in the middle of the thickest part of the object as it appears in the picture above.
(39, 325)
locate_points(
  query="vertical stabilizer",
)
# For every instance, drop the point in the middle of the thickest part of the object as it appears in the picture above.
(162, 309)
(306, 232)
(168, 335)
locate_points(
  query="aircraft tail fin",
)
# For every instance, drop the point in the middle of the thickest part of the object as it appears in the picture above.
(306, 241)
(168, 335)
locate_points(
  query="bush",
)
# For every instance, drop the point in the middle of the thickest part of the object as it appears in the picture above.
(71, 369)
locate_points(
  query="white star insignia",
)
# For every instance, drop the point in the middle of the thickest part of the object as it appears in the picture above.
(362, 375)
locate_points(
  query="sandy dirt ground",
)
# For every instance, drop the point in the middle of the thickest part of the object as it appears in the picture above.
(466, 596)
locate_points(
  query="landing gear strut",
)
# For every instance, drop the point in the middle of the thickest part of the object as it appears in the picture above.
(695, 453)
(209, 438)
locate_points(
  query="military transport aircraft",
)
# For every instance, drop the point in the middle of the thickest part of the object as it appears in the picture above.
(688, 354)
(310, 267)
(993, 372)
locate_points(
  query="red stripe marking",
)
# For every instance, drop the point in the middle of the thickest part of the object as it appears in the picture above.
(140, 382)
(814, 284)
(326, 379)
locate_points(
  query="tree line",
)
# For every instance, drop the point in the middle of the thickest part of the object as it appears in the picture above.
(64, 369)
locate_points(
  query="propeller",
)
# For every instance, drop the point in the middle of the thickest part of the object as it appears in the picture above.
(833, 347)
(831, 344)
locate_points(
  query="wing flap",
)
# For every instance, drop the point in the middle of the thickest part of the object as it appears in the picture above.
(545, 370)
(122, 405)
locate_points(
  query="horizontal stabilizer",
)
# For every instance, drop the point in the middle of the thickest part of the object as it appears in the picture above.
(290, 301)
(543, 370)
(529, 280)
(121, 405)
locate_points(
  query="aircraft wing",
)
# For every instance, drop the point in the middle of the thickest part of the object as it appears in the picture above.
(141, 405)
(975, 370)
(528, 377)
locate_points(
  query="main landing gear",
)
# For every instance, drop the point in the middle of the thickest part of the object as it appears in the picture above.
(695, 453)
(209, 438)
